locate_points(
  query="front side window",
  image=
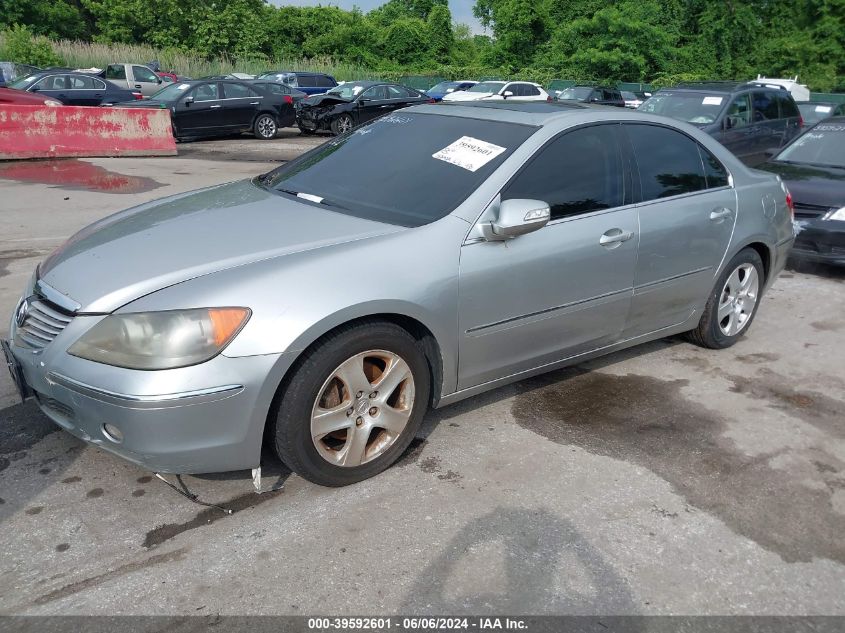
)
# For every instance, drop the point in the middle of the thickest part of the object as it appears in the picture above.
(53, 82)
(206, 92)
(144, 74)
(739, 112)
(576, 173)
(406, 169)
(765, 106)
(669, 162)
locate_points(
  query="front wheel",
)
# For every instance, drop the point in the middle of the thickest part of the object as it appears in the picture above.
(353, 404)
(342, 124)
(733, 303)
(265, 127)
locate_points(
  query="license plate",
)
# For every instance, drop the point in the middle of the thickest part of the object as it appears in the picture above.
(17, 373)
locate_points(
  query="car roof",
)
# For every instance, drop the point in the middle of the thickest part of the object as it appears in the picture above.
(725, 87)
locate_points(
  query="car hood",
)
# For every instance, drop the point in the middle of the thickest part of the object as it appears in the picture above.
(822, 186)
(323, 100)
(165, 242)
(465, 95)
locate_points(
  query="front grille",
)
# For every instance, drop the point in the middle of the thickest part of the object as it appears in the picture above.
(44, 322)
(805, 211)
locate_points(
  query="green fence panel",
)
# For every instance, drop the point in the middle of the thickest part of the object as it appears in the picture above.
(560, 84)
(634, 87)
(420, 82)
(833, 97)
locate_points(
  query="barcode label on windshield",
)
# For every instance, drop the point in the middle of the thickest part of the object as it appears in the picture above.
(469, 153)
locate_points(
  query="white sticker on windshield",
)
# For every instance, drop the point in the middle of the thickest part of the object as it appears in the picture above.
(356, 89)
(183, 86)
(469, 153)
(824, 109)
(309, 196)
(712, 101)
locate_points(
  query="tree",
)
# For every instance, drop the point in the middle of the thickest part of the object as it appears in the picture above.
(404, 41)
(21, 46)
(53, 18)
(440, 38)
(519, 29)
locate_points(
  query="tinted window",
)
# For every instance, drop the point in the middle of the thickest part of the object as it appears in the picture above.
(144, 74)
(715, 172)
(529, 91)
(578, 172)
(376, 93)
(765, 106)
(276, 89)
(739, 112)
(116, 71)
(52, 82)
(787, 106)
(386, 171)
(694, 107)
(324, 81)
(307, 81)
(397, 92)
(668, 161)
(237, 91)
(206, 92)
(579, 93)
(85, 83)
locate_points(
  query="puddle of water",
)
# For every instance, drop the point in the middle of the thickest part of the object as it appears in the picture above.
(76, 174)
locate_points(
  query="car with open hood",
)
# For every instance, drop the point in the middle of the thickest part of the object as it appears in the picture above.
(813, 168)
(322, 308)
(354, 103)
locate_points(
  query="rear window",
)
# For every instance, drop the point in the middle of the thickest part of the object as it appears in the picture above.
(699, 108)
(406, 168)
(821, 145)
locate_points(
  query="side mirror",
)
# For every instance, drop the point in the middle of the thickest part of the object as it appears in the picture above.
(188, 101)
(507, 93)
(159, 80)
(34, 89)
(517, 217)
(729, 122)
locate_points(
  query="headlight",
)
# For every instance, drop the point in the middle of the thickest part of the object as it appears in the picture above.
(839, 214)
(161, 340)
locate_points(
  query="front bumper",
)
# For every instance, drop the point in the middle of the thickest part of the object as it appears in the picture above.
(820, 241)
(205, 418)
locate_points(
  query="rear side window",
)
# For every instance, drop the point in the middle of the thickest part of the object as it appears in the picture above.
(714, 171)
(397, 92)
(307, 81)
(765, 106)
(787, 106)
(85, 83)
(238, 91)
(668, 161)
(576, 173)
(324, 81)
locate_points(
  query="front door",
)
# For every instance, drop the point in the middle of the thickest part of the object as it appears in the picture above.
(145, 80)
(738, 133)
(687, 212)
(373, 103)
(566, 288)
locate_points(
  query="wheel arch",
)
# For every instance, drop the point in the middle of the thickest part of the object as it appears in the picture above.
(764, 250)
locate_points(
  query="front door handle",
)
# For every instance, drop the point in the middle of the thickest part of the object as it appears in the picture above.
(613, 238)
(214, 107)
(717, 215)
(253, 103)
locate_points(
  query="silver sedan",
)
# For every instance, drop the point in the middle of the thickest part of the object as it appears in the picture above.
(428, 256)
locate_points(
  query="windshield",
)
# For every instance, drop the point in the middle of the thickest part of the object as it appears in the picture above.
(443, 86)
(23, 84)
(692, 107)
(821, 145)
(172, 92)
(347, 91)
(488, 86)
(577, 93)
(406, 168)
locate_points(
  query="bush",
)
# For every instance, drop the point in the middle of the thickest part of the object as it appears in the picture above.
(21, 46)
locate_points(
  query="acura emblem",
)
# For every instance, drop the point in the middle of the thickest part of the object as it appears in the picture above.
(22, 312)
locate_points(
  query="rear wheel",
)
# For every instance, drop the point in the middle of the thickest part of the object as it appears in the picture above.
(342, 124)
(265, 127)
(353, 404)
(733, 303)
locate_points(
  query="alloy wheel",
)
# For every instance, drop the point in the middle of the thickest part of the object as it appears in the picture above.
(344, 124)
(266, 127)
(362, 408)
(738, 298)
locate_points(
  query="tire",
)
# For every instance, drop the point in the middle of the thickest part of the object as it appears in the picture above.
(306, 132)
(746, 274)
(315, 388)
(265, 127)
(341, 124)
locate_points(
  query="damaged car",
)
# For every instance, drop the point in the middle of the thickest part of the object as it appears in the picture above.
(354, 103)
(813, 169)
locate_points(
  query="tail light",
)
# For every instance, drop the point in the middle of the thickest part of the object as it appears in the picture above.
(138, 96)
(549, 98)
(432, 100)
(800, 122)
(288, 99)
(790, 205)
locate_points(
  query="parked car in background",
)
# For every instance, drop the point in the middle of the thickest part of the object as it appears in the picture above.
(634, 100)
(277, 88)
(492, 243)
(10, 71)
(812, 112)
(134, 77)
(214, 108)
(13, 96)
(748, 118)
(167, 78)
(309, 83)
(447, 87)
(598, 95)
(499, 91)
(799, 92)
(813, 169)
(353, 103)
(75, 89)
(241, 76)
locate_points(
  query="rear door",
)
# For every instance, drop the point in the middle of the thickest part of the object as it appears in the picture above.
(240, 105)
(87, 91)
(687, 212)
(565, 288)
(790, 114)
(145, 80)
(770, 129)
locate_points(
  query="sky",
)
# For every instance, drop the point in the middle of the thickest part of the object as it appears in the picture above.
(461, 9)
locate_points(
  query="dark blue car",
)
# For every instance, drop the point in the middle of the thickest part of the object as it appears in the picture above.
(77, 89)
(447, 87)
(309, 83)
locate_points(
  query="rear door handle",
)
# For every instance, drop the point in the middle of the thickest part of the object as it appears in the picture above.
(253, 103)
(213, 107)
(614, 237)
(717, 215)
